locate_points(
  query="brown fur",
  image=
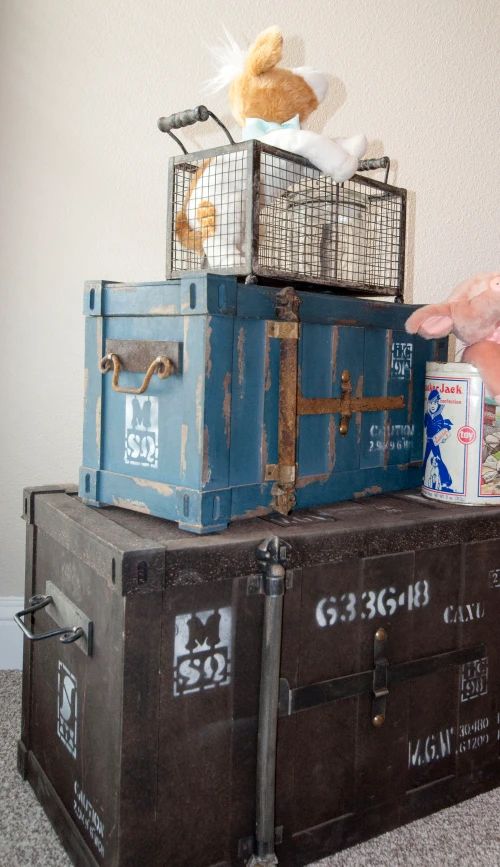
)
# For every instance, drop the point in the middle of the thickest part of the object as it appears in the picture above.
(262, 91)
(265, 91)
(206, 214)
(265, 52)
(191, 239)
(276, 95)
(188, 238)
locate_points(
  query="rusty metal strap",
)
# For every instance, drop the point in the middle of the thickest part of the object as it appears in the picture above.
(330, 405)
(346, 405)
(306, 697)
(287, 329)
(282, 330)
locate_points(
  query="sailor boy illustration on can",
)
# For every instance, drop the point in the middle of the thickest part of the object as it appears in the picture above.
(437, 429)
(462, 436)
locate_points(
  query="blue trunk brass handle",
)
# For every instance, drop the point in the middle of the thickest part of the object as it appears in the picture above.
(36, 603)
(161, 365)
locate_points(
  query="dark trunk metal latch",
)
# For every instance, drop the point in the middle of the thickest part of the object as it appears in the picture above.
(377, 681)
(380, 679)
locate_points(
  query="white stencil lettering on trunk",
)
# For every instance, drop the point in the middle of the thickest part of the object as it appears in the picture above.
(346, 607)
(474, 679)
(86, 813)
(401, 360)
(202, 651)
(473, 735)
(141, 431)
(494, 578)
(432, 748)
(67, 708)
(464, 613)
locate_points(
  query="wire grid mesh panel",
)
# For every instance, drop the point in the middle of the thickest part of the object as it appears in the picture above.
(249, 208)
(336, 234)
(208, 211)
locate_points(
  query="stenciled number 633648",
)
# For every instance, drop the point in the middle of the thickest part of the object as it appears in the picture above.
(347, 607)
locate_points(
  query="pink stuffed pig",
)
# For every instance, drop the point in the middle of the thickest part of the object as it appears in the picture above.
(472, 312)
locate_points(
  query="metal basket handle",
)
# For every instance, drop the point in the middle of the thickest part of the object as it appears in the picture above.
(187, 118)
(372, 165)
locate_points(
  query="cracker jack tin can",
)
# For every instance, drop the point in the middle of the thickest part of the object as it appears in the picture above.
(461, 437)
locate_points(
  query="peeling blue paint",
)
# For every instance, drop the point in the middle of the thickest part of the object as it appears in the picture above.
(213, 426)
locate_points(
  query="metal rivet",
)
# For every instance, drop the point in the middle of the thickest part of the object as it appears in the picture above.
(378, 720)
(381, 635)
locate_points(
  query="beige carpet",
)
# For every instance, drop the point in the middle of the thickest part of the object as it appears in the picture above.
(464, 836)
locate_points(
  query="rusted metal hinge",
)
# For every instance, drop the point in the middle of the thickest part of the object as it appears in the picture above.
(292, 404)
(283, 329)
(287, 329)
(276, 473)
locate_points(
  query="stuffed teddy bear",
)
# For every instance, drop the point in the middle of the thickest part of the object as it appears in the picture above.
(472, 313)
(270, 103)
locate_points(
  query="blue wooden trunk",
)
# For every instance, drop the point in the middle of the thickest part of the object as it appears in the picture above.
(201, 447)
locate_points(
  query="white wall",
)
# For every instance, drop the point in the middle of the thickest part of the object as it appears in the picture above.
(83, 168)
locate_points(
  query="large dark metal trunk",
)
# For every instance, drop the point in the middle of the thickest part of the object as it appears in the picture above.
(146, 749)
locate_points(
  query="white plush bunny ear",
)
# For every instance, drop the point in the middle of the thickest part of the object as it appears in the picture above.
(317, 81)
(229, 62)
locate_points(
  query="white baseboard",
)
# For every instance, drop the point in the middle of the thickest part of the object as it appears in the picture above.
(11, 637)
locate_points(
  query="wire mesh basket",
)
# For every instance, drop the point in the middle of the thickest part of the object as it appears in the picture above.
(252, 210)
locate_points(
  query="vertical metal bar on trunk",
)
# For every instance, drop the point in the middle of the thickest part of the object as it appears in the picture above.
(288, 407)
(272, 554)
(287, 306)
(268, 716)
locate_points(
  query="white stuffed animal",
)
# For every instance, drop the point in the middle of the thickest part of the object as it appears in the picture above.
(270, 103)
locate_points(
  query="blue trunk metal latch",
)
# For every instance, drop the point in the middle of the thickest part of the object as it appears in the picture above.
(292, 404)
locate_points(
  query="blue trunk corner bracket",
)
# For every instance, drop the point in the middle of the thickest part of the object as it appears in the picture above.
(208, 400)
